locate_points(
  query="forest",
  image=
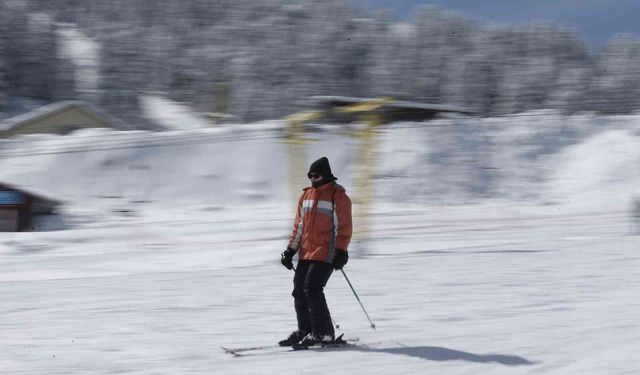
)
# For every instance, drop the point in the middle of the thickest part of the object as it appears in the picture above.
(270, 56)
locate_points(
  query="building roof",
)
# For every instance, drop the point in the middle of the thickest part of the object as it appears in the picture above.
(57, 107)
(43, 200)
(390, 103)
(17, 105)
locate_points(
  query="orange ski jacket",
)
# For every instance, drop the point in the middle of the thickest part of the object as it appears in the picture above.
(322, 224)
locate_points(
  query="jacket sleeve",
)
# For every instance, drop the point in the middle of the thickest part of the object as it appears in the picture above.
(296, 234)
(343, 218)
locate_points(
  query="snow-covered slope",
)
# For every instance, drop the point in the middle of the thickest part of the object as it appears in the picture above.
(169, 248)
(531, 158)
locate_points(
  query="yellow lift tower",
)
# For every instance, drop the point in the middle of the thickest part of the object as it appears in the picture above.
(363, 191)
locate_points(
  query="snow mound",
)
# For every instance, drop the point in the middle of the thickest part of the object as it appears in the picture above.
(169, 114)
(603, 170)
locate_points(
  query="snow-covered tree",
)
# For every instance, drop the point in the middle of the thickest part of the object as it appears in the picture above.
(274, 54)
(38, 64)
(122, 72)
(616, 88)
(64, 80)
(4, 86)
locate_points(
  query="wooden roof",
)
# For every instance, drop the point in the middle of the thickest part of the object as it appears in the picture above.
(54, 108)
(388, 103)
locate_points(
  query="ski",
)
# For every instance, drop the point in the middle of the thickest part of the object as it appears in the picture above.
(339, 342)
(321, 347)
(237, 351)
(243, 351)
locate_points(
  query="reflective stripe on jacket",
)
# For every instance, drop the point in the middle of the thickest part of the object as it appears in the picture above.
(322, 223)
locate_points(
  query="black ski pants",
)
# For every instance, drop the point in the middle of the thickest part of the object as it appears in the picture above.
(308, 293)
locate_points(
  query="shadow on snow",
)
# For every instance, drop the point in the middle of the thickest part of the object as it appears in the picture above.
(435, 353)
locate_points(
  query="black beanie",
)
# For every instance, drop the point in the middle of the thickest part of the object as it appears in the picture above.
(321, 167)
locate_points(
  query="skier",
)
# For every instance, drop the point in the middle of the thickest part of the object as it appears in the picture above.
(321, 234)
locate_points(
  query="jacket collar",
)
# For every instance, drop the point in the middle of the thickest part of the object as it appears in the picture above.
(327, 186)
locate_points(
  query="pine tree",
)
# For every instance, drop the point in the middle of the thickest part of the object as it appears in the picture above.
(64, 80)
(617, 86)
(4, 86)
(121, 73)
(38, 66)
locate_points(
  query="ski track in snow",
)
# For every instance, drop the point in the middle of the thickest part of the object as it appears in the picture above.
(531, 294)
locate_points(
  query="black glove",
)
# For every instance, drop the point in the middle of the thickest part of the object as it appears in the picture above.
(340, 259)
(286, 258)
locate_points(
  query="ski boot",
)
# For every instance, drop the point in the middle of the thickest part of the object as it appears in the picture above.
(294, 338)
(313, 339)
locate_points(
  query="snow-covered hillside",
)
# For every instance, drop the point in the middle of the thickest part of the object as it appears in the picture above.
(531, 158)
(169, 248)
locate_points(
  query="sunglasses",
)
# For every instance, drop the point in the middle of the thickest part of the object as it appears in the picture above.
(314, 176)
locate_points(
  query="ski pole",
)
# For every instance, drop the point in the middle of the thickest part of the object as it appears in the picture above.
(373, 326)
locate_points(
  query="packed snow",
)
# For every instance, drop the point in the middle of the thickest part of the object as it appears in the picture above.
(168, 248)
